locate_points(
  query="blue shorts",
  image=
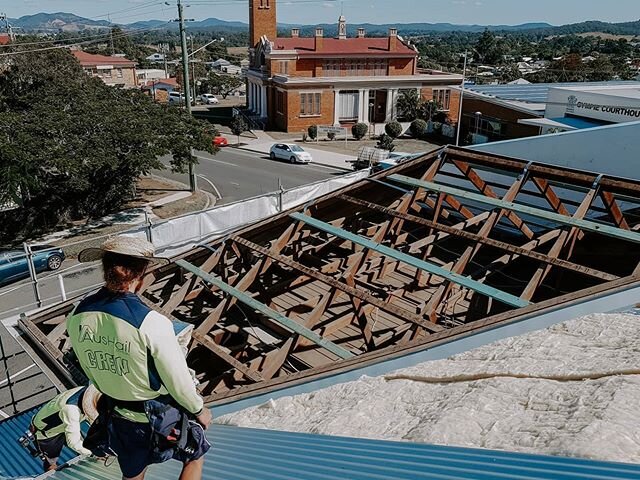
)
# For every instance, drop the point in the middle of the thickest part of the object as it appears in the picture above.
(131, 441)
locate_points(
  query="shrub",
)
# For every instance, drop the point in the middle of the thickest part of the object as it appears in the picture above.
(417, 128)
(313, 132)
(385, 142)
(359, 130)
(238, 126)
(393, 129)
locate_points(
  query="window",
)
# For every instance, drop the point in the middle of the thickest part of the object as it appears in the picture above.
(283, 67)
(443, 97)
(310, 104)
(380, 67)
(119, 72)
(349, 106)
(106, 73)
(279, 101)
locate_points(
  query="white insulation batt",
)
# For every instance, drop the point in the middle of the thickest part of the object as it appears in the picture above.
(572, 390)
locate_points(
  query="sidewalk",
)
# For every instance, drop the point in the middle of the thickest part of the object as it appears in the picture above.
(263, 144)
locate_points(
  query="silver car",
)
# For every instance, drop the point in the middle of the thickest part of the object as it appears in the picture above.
(208, 99)
(289, 151)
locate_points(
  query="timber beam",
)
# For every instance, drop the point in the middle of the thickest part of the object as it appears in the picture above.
(469, 283)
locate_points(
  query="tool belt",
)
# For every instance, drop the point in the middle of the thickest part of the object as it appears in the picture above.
(169, 426)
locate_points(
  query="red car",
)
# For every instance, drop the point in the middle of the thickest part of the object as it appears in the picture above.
(220, 141)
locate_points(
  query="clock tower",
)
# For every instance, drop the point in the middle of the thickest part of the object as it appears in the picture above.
(262, 21)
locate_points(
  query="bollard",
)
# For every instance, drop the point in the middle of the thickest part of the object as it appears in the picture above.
(63, 293)
(32, 273)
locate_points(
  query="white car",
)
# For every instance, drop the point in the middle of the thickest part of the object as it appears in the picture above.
(289, 151)
(209, 99)
(177, 97)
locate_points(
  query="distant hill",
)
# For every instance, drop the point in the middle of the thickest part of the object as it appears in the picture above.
(56, 22)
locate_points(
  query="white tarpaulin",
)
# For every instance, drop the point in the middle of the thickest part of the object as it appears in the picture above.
(181, 234)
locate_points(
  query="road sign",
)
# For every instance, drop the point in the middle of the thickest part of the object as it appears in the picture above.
(325, 130)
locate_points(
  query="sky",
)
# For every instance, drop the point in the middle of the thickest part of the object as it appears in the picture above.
(485, 12)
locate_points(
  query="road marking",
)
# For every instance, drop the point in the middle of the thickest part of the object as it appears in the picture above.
(216, 161)
(16, 374)
(3, 415)
(234, 183)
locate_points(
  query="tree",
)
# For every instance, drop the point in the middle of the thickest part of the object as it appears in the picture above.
(72, 147)
(408, 104)
(359, 131)
(393, 129)
(238, 126)
(223, 84)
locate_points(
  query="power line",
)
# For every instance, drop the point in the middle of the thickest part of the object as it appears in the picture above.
(57, 47)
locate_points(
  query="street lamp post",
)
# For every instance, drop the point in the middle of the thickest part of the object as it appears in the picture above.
(185, 81)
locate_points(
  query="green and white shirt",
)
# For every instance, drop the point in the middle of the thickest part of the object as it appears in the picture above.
(62, 414)
(130, 352)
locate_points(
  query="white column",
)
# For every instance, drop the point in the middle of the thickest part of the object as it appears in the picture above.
(390, 102)
(361, 103)
(263, 106)
(250, 95)
(336, 108)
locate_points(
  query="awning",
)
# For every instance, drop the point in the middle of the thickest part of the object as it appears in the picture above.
(545, 122)
(564, 123)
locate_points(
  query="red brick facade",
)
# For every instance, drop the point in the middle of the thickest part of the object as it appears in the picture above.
(355, 78)
(262, 20)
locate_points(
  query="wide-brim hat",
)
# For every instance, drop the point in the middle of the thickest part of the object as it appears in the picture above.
(128, 246)
(90, 400)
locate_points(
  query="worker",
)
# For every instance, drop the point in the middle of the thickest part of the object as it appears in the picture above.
(58, 423)
(131, 354)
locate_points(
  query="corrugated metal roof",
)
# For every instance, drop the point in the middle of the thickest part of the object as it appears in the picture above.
(240, 453)
(14, 459)
(535, 92)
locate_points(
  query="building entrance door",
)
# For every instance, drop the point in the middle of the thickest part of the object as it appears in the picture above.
(377, 106)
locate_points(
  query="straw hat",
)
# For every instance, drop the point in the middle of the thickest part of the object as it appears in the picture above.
(129, 246)
(90, 403)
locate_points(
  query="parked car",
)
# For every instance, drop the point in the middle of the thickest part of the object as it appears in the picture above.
(290, 152)
(209, 99)
(14, 265)
(177, 97)
(220, 141)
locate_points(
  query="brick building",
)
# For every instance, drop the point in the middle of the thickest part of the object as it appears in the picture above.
(296, 82)
(114, 71)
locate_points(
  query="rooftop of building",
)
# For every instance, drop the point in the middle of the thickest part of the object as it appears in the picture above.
(5, 39)
(364, 46)
(90, 59)
(534, 96)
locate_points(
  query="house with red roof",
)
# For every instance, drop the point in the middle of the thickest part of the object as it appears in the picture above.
(112, 70)
(295, 82)
(5, 39)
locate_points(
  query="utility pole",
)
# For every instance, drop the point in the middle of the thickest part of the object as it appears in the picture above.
(464, 77)
(185, 83)
(193, 71)
(113, 49)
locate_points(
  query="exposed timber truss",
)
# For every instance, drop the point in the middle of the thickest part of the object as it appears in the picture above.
(441, 245)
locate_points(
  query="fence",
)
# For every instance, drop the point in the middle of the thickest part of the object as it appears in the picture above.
(170, 237)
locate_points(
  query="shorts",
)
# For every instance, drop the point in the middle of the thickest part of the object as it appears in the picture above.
(131, 441)
(51, 449)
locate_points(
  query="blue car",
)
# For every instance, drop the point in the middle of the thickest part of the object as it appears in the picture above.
(14, 266)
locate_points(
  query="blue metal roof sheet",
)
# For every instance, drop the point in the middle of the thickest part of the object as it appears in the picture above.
(242, 453)
(14, 459)
(579, 123)
(536, 92)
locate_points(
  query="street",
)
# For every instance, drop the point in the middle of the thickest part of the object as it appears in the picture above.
(239, 174)
(236, 174)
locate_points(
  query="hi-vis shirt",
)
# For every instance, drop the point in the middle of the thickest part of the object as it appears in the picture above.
(130, 352)
(62, 414)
